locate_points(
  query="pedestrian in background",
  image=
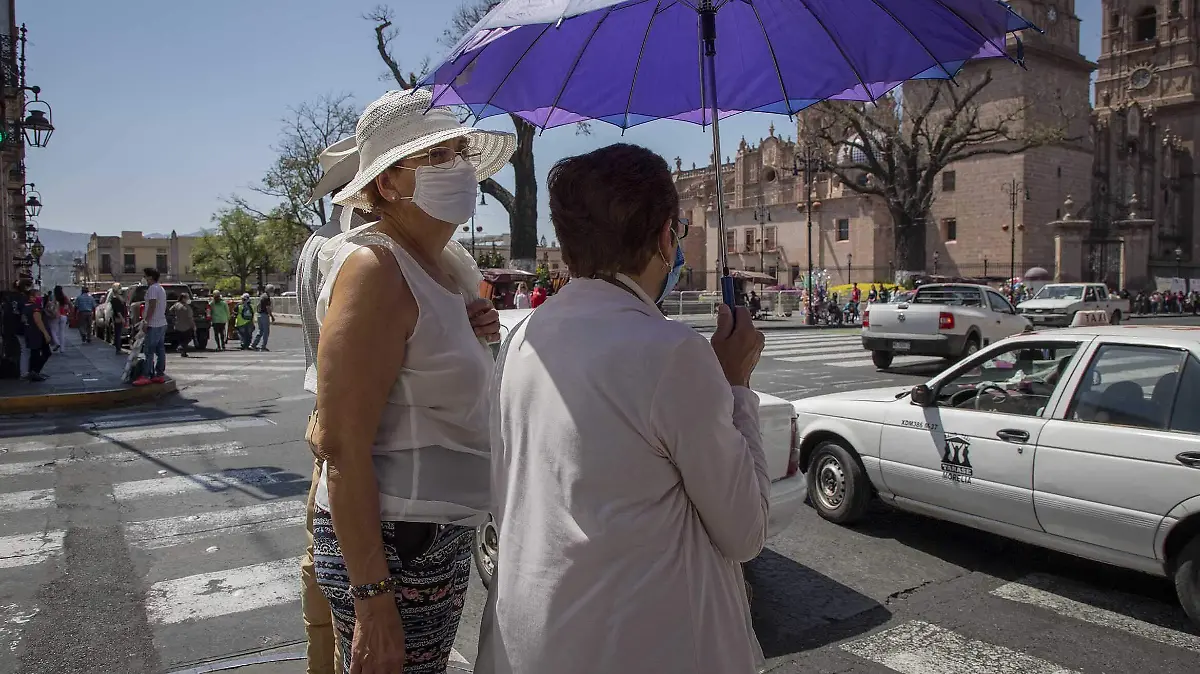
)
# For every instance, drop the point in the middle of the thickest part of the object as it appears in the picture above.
(402, 416)
(265, 317)
(628, 474)
(37, 333)
(119, 316)
(185, 323)
(339, 163)
(14, 327)
(220, 316)
(85, 307)
(243, 321)
(154, 324)
(537, 296)
(521, 299)
(54, 307)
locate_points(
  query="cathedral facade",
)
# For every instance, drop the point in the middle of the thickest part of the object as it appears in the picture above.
(1112, 200)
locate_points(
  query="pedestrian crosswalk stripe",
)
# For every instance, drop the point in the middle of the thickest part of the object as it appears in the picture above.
(124, 423)
(918, 647)
(201, 389)
(1047, 592)
(27, 549)
(186, 377)
(200, 427)
(776, 352)
(240, 368)
(219, 593)
(46, 466)
(183, 529)
(898, 361)
(36, 499)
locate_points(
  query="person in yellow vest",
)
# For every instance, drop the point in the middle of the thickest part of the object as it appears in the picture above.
(243, 320)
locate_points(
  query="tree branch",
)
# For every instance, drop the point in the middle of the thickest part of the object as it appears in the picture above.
(497, 191)
(382, 16)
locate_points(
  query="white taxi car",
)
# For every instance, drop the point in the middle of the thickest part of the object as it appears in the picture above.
(1083, 440)
(777, 421)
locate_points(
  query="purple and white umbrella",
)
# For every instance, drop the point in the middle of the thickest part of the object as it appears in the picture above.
(626, 62)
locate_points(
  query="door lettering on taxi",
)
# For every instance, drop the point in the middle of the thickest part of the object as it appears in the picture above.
(909, 423)
(956, 459)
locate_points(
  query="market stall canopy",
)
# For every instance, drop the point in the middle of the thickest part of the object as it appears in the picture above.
(506, 275)
(753, 276)
(1038, 274)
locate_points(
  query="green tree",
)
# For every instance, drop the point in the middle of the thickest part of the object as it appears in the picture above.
(520, 203)
(232, 249)
(280, 239)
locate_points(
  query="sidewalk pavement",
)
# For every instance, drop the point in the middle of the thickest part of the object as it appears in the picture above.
(283, 660)
(80, 376)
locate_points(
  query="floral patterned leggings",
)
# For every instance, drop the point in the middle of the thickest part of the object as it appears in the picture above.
(430, 599)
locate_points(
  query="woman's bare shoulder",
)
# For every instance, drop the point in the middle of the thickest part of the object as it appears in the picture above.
(370, 282)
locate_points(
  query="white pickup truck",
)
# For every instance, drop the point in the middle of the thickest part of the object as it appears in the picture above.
(1056, 304)
(950, 320)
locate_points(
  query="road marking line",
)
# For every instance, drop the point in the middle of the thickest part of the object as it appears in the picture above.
(849, 349)
(123, 456)
(36, 499)
(299, 396)
(159, 420)
(455, 656)
(210, 482)
(28, 549)
(1047, 592)
(898, 361)
(219, 593)
(918, 647)
(184, 529)
(204, 369)
(197, 428)
(208, 377)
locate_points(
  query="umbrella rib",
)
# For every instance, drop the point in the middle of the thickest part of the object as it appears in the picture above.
(774, 59)
(515, 65)
(953, 11)
(637, 68)
(915, 39)
(840, 50)
(578, 58)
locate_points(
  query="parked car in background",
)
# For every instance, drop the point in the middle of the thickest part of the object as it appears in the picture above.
(1056, 304)
(1083, 440)
(102, 319)
(777, 422)
(135, 299)
(950, 320)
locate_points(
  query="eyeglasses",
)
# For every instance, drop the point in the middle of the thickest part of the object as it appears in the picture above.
(443, 157)
(681, 228)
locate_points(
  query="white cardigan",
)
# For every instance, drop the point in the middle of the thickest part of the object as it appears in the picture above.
(629, 483)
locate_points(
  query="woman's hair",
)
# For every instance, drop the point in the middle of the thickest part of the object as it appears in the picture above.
(59, 294)
(608, 208)
(151, 273)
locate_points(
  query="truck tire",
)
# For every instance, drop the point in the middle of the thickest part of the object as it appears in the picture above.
(882, 359)
(1116, 317)
(837, 485)
(1187, 579)
(485, 550)
(971, 347)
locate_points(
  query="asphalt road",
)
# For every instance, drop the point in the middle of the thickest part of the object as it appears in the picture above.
(155, 539)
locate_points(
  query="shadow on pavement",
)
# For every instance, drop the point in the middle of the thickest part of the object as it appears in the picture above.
(796, 609)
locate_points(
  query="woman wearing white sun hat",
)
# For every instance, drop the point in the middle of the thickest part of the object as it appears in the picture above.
(402, 416)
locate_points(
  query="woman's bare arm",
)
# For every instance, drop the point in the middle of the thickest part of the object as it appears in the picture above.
(371, 315)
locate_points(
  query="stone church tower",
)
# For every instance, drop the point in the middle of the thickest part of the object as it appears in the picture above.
(1147, 125)
(971, 215)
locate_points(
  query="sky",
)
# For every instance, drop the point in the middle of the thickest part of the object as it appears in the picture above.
(164, 109)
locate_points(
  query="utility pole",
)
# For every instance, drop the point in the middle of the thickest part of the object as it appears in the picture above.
(808, 158)
(1015, 189)
(762, 215)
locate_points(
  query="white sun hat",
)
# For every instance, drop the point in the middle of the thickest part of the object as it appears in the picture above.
(339, 163)
(401, 123)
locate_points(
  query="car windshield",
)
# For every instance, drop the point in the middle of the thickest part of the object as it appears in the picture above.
(960, 296)
(1059, 293)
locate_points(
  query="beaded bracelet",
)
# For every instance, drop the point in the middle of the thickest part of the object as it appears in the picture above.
(369, 590)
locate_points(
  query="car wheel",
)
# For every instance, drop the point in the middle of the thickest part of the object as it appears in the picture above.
(486, 550)
(882, 359)
(971, 347)
(839, 489)
(1187, 579)
(1116, 317)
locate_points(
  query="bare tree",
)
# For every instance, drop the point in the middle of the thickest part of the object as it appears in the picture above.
(307, 131)
(520, 203)
(896, 148)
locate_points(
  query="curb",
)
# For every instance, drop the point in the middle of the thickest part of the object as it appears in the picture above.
(771, 326)
(86, 399)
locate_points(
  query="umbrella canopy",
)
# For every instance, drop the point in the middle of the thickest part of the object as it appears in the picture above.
(625, 62)
(752, 276)
(506, 275)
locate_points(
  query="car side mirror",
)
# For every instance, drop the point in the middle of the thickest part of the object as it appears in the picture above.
(922, 395)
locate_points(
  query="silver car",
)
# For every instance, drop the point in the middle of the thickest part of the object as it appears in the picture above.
(1084, 440)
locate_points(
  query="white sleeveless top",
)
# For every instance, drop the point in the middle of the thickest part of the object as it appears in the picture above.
(432, 449)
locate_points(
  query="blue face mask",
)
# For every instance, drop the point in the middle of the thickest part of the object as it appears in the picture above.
(673, 277)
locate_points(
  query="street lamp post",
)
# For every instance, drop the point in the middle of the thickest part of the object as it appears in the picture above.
(1187, 285)
(805, 163)
(850, 268)
(1015, 189)
(936, 258)
(472, 228)
(762, 215)
(36, 251)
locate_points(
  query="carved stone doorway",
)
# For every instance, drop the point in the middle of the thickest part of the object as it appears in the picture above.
(1102, 261)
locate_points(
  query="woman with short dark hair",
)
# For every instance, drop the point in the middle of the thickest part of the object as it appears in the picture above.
(627, 466)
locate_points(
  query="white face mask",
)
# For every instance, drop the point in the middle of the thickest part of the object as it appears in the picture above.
(447, 194)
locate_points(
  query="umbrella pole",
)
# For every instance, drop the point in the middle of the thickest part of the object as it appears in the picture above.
(708, 34)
